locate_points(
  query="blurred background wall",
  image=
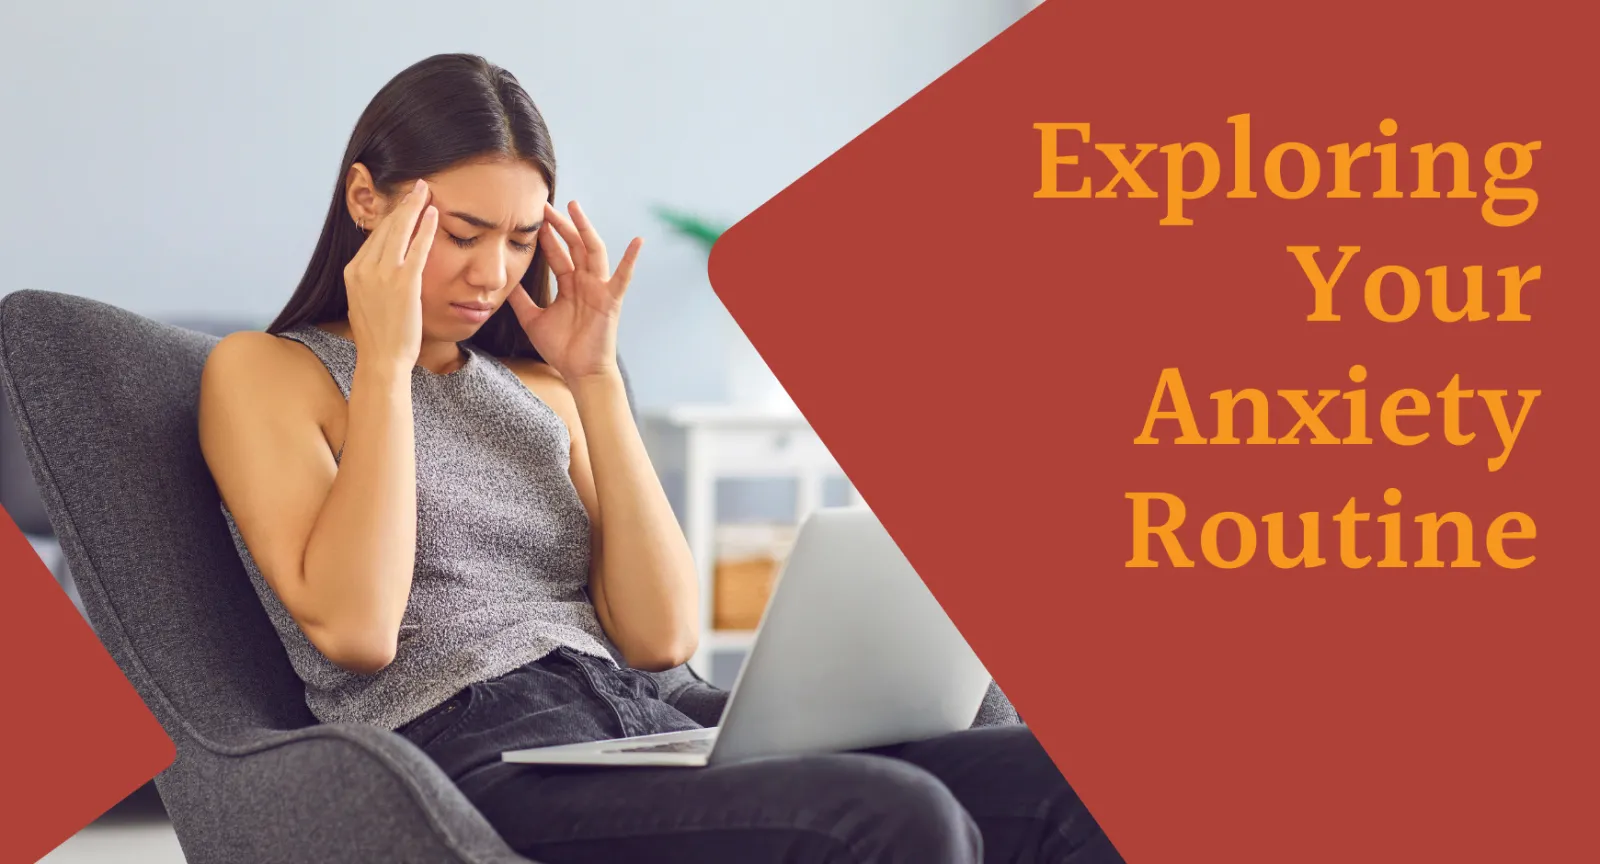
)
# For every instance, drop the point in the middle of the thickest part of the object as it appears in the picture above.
(176, 158)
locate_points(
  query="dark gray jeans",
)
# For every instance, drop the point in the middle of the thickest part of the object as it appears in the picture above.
(989, 794)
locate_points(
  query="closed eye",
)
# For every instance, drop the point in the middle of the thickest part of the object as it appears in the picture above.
(466, 243)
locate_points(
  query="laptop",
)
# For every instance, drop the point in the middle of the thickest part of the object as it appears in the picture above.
(852, 652)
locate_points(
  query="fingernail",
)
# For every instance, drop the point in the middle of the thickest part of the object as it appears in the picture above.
(418, 187)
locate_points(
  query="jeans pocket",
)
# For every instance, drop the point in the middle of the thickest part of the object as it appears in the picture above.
(432, 727)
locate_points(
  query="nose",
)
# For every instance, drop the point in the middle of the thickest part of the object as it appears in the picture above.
(486, 269)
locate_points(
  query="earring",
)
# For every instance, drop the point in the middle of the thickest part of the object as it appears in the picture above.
(362, 224)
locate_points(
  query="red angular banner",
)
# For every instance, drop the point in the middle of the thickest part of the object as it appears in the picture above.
(80, 739)
(1074, 289)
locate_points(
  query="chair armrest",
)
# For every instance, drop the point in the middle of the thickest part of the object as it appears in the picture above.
(334, 792)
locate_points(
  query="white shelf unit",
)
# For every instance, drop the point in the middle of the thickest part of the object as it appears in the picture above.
(704, 444)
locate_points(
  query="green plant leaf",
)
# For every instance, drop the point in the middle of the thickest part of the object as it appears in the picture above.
(696, 228)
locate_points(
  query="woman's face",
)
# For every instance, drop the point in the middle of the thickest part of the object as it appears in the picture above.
(489, 216)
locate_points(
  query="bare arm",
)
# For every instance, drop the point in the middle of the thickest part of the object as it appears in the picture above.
(642, 576)
(336, 542)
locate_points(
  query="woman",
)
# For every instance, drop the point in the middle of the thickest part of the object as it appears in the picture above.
(434, 479)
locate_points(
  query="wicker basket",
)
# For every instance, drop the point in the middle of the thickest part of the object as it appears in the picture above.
(748, 558)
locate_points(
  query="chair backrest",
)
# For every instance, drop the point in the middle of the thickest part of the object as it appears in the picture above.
(104, 403)
(17, 492)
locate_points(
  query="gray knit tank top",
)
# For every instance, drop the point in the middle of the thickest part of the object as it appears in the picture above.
(502, 546)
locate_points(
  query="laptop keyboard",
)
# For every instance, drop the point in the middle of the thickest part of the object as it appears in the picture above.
(695, 745)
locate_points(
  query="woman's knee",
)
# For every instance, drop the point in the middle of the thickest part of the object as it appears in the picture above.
(880, 809)
(1026, 809)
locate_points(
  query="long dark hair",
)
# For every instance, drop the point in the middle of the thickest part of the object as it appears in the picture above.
(438, 113)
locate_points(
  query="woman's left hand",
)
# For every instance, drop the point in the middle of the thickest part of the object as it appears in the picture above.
(577, 333)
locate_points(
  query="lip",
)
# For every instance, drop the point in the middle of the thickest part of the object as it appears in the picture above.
(476, 312)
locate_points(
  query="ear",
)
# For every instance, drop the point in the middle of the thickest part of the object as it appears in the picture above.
(361, 196)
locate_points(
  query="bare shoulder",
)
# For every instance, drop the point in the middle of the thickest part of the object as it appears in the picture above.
(253, 368)
(547, 384)
(529, 369)
(259, 360)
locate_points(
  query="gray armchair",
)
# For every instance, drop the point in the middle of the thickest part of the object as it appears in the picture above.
(103, 402)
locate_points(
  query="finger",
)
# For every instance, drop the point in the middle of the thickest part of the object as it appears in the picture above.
(424, 203)
(624, 274)
(569, 233)
(591, 239)
(386, 222)
(379, 235)
(523, 306)
(378, 242)
(560, 262)
(404, 216)
(422, 243)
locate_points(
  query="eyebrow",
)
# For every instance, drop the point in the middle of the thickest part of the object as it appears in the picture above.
(480, 222)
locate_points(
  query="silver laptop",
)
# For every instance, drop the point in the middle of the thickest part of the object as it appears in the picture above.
(852, 652)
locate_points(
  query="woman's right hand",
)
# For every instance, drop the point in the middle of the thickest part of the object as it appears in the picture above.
(383, 282)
